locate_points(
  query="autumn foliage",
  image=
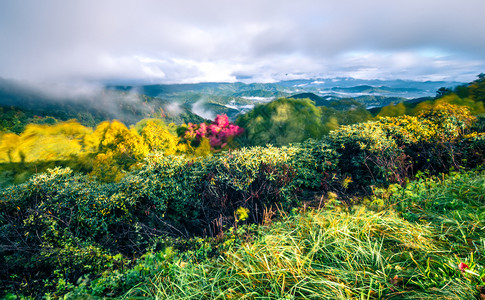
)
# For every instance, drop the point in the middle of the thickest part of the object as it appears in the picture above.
(220, 132)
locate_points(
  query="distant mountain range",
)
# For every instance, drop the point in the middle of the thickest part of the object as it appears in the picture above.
(322, 87)
(130, 103)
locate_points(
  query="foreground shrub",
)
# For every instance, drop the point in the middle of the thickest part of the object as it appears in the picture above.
(201, 195)
(63, 223)
(423, 242)
(335, 254)
(391, 150)
(60, 223)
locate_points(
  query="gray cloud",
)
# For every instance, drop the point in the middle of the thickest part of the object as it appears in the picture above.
(212, 40)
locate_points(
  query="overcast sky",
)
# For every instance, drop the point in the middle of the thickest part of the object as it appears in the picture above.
(163, 41)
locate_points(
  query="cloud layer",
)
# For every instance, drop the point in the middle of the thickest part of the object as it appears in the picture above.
(217, 40)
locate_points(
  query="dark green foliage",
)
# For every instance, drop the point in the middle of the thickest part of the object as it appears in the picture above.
(62, 227)
(201, 195)
(414, 247)
(57, 222)
(281, 122)
(171, 185)
(392, 149)
(260, 178)
(62, 221)
(472, 150)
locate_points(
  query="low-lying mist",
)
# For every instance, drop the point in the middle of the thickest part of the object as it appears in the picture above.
(81, 98)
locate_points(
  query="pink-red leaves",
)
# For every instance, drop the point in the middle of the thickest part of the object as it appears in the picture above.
(219, 133)
(462, 266)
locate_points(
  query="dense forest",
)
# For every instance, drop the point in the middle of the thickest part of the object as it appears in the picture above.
(298, 198)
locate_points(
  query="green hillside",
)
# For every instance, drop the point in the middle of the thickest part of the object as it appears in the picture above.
(350, 207)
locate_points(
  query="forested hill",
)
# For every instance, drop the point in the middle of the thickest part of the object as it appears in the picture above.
(471, 95)
(22, 103)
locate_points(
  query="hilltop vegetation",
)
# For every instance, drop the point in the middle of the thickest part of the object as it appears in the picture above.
(21, 104)
(108, 150)
(471, 95)
(209, 211)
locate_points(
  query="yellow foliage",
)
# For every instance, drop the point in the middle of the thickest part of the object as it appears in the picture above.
(92, 142)
(450, 119)
(49, 148)
(242, 214)
(9, 147)
(475, 107)
(109, 150)
(105, 167)
(204, 148)
(117, 148)
(44, 142)
(159, 139)
(116, 137)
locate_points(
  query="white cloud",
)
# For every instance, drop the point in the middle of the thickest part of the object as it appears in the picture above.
(216, 40)
(199, 109)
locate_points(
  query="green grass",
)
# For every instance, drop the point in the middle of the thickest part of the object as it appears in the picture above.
(404, 243)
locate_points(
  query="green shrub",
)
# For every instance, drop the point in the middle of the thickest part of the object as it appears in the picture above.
(201, 195)
(364, 254)
(390, 150)
(368, 155)
(59, 222)
(61, 227)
